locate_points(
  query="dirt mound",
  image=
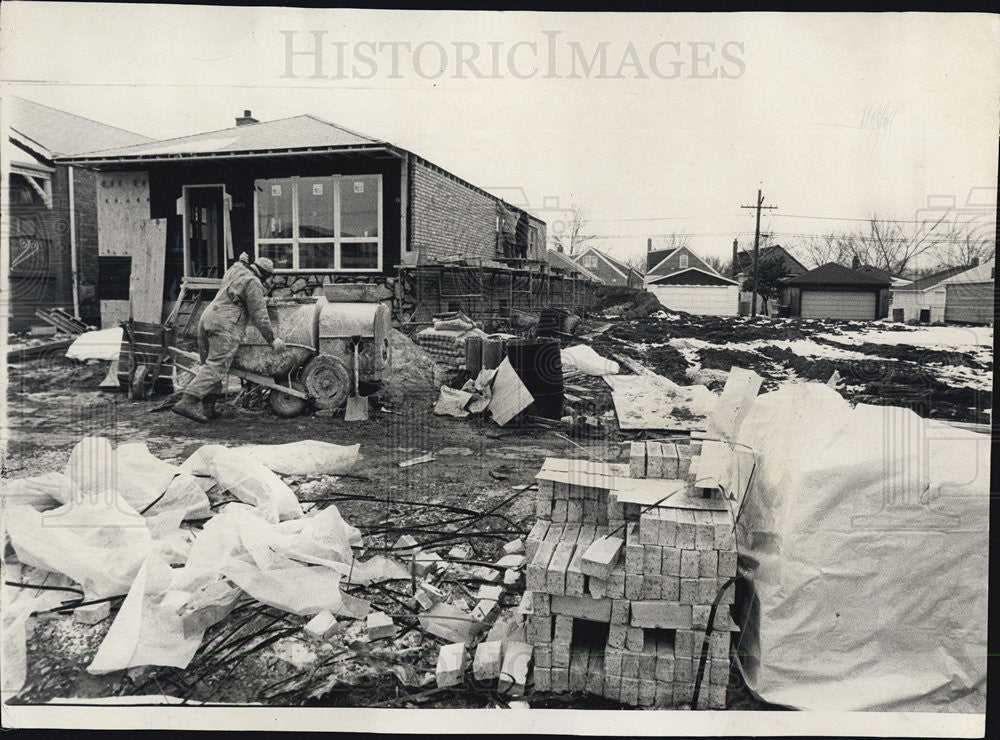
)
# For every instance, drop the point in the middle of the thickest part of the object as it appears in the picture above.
(411, 374)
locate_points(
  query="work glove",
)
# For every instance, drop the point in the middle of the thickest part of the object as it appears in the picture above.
(278, 344)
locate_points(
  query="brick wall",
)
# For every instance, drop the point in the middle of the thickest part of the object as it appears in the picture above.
(448, 217)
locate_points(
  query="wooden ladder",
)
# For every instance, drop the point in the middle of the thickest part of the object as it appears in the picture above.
(189, 300)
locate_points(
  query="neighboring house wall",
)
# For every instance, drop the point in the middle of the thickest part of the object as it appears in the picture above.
(448, 218)
(913, 301)
(708, 300)
(609, 272)
(970, 303)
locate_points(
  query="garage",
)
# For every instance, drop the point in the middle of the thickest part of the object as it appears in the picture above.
(833, 291)
(697, 291)
(829, 304)
(969, 303)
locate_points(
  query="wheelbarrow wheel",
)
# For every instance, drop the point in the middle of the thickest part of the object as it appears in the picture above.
(286, 405)
(328, 381)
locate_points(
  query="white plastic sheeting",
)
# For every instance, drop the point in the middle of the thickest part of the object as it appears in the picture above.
(306, 457)
(103, 344)
(865, 533)
(582, 357)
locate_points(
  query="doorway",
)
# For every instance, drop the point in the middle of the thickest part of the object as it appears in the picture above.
(205, 230)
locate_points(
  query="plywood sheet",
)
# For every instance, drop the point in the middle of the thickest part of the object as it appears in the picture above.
(647, 491)
(125, 228)
(655, 402)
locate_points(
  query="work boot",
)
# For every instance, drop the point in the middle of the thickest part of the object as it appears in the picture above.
(208, 406)
(191, 408)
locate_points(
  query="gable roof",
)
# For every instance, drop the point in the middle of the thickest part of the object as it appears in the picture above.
(929, 281)
(657, 256)
(617, 265)
(744, 258)
(298, 132)
(834, 274)
(711, 273)
(654, 270)
(557, 259)
(978, 274)
(52, 132)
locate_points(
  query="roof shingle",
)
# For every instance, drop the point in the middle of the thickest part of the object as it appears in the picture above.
(63, 133)
(833, 274)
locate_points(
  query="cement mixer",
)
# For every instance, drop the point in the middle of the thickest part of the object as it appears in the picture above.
(317, 367)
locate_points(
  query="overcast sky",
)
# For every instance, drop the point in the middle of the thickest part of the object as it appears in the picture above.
(833, 115)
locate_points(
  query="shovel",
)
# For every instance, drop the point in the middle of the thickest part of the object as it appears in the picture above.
(357, 405)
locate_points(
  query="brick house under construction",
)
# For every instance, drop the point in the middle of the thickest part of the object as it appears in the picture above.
(325, 203)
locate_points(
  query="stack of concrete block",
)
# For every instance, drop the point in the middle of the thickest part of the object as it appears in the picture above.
(634, 630)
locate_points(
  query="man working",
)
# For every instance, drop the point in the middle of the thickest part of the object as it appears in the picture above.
(220, 332)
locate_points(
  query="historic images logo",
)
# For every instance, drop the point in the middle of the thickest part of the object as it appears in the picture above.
(318, 55)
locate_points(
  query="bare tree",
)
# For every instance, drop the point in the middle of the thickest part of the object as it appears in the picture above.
(571, 233)
(965, 246)
(721, 266)
(670, 241)
(818, 250)
(893, 246)
(637, 262)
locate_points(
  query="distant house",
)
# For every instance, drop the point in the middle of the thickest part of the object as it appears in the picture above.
(833, 291)
(969, 295)
(609, 270)
(897, 280)
(559, 261)
(53, 212)
(743, 261)
(325, 203)
(683, 281)
(923, 299)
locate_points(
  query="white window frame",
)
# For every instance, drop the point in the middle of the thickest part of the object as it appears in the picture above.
(337, 239)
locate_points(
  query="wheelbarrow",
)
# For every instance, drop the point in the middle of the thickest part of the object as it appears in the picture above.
(316, 369)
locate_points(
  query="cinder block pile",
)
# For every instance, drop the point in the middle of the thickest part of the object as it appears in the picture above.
(619, 594)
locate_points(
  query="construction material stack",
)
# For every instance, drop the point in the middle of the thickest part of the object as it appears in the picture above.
(621, 587)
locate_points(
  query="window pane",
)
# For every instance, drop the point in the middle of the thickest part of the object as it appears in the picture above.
(280, 253)
(359, 206)
(316, 256)
(316, 207)
(274, 209)
(359, 256)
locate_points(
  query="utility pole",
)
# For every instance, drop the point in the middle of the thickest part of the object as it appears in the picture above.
(756, 249)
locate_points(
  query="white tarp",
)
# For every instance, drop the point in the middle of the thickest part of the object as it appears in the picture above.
(582, 357)
(103, 344)
(868, 528)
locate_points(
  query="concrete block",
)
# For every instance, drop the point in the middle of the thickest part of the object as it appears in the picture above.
(320, 627)
(668, 526)
(426, 562)
(543, 678)
(460, 552)
(647, 661)
(630, 691)
(652, 560)
(620, 609)
(708, 563)
(515, 547)
(689, 591)
(633, 586)
(649, 527)
(671, 454)
(539, 565)
(545, 486)
(543, 654)
(489, 593)
(540, 603)
(718, 644)
(616, 510)
(683, 670)
(612, 686)
(94, 613)
(660, 615)
(699, 616)
(652, 587)
(560, 655)
(637, 460)
(536, 535)
(559, 511)
(560, 680)
(670, 588)
(665, 668)
(451, 664)
(685, 533)
(582, 607)
(716, 697)
(727, 563)
(647, 692)
(578, 664)
(560, 490)
(633, 549)
(602, 556)
(654, 460)
(486, 664)
(617, 635)
(719, 672)
(728, 594)
(616, 584)
(635, 638)
(574, 511)
(595, 675)
(543, 506)
(379, 625)
(511, 577)
(704, 537)
(671, 565)
(405, 546)
(630, 663)
(539, 629)
(514, 672)
(683, 692)
(563, 628)
(525, 607)
(664, 695)
(613, 662)
(597, 588)
(707, 590)
(689, 563)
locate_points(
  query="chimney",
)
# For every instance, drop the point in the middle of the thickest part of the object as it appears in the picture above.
(736, 268)
(855, 262)
(974, 262)
(246, 119)
(649, 244)
(559, 248)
